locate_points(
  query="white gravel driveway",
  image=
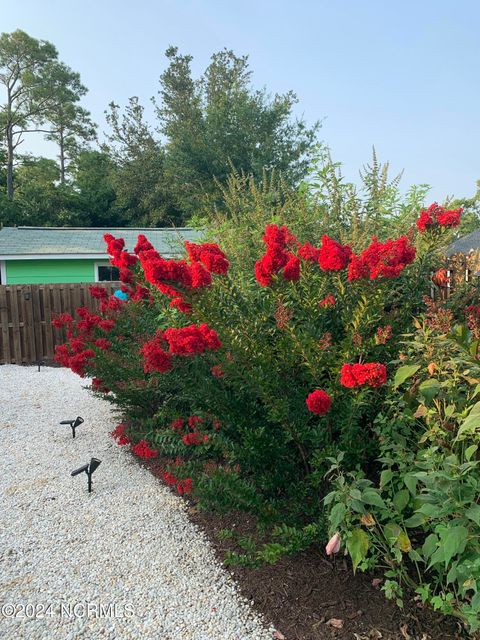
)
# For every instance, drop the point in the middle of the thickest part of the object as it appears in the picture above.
(122, 562)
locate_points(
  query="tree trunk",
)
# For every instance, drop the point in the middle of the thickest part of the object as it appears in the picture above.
(9, 162)
(62, 157)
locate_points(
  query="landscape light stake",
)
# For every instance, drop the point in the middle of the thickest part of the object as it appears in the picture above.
(73, 423)
(89, 469)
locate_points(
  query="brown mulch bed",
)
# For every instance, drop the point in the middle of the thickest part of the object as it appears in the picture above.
(308, 597)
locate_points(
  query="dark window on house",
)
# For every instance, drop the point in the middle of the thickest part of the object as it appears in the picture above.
(108, 274)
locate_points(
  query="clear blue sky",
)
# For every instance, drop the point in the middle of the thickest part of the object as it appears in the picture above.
(401, 75)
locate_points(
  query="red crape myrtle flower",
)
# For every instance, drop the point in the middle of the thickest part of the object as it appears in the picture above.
(98, 292)
(308, 252)
(143, 450)
(154, 356)
(119, 435)
(438, 216)
(184, 487)
(191, 340)
(328, 301)
(103, 344)
(319, 402)
(62, 320)
(210, 255)
(332, 255)
(382, 259)
(278, 240)
(370, 374)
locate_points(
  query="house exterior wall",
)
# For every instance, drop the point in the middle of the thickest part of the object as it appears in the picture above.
(45, 271)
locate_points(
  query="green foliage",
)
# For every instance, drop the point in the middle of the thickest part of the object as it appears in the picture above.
(421, 518)
(219, 122)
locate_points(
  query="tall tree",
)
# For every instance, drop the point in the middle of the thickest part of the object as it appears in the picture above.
(70, 123)
(144, 196)
(220, 122)
(26, 66)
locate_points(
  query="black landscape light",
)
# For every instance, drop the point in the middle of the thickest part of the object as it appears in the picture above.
(73, 423)
(89, 469)
(40, 363)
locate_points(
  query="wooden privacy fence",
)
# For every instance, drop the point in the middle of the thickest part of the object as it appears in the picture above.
(26, 313)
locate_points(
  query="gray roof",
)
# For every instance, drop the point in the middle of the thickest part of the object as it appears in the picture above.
(81, 240)
(468, 243)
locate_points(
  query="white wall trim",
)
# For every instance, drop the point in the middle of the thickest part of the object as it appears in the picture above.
(55, 256)
(3, 272)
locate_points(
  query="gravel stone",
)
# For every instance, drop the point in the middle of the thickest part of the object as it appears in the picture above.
(122, 562)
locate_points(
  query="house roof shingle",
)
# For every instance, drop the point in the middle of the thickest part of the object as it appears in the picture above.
(470, 242)
(17, 241)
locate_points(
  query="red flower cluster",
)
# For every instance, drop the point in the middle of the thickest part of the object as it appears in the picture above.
(437, 216)
(186, 341)
(370, 374)
(119, 435)
(217, 371)
(195, 437)
(386, 260)
(98, 292)
(103, 344)
(191, 340)
(333, 256)
(277, 256)
(143, 450)
(120, 258)
(177, 424)
(155, 358)
(309, 253)
(184, 487)
(383, 334)
(106, 325)
(64, 319)
(328, 301)
(98, 385)
(168, 276)
(319, 402)
(210, 255)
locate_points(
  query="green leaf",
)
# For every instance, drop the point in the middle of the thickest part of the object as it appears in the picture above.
(453, 541)
(429, 388)
(385, 477)
(415, 556)
(337, 514)
(400, 500)
(370, 496)
(415, 521)
(469, 426)
(452, 574)
(357, 545)
(411, 484)
(470, 451)
(391, 531)
(430, 545)
(473, 513)
(429, 510)
(405, 372)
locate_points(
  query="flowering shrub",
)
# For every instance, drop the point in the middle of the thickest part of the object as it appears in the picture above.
(252, 362)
